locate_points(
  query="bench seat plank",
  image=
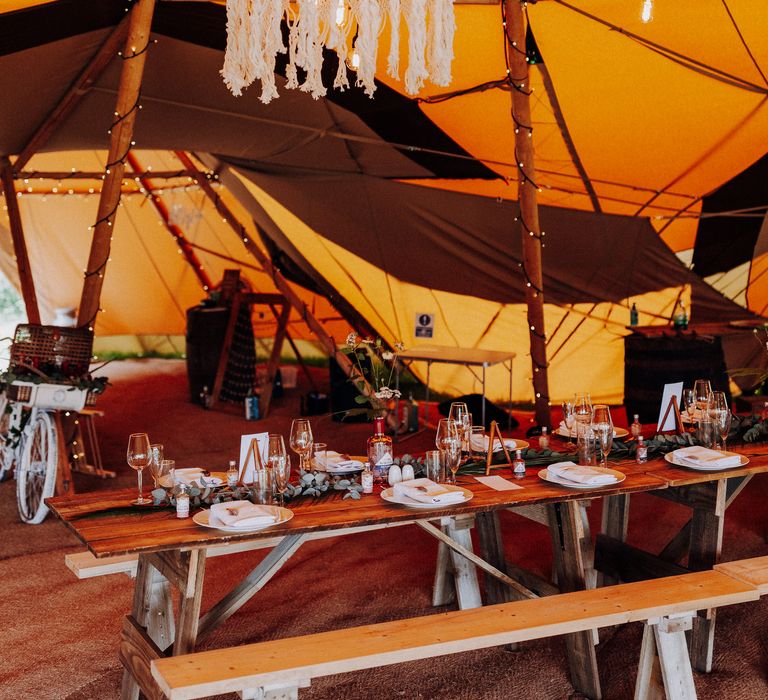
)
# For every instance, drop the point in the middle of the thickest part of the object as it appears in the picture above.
(288, 661)
(752, 571)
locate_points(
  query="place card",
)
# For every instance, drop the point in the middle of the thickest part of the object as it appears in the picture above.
(247, 466)
(497, 483)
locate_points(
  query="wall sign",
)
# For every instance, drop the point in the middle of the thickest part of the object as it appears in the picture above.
(425, 325)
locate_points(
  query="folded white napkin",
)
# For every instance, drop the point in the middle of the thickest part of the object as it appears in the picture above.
(580, 475)
(703, 457)
(427, 491)
(241, 514)
(190, 476)
(479, 443)
(333, 461)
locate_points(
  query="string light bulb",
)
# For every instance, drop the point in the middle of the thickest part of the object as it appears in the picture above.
(646, 13)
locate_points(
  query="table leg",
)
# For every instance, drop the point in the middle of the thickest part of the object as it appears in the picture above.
(482, 422)
(464, 571)
(443, 589)
(704, 553)
(614, 524)
(568, 541)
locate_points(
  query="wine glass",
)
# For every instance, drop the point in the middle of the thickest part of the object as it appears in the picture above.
(582, 410)
(703, 392)
(301, 442)
(721, 415)
(275, 449)
(156, 457)
(689, 403)
(569, 417)
(602, 425)
(139, 457)
(461, 415)
(448, 441)
(281, 474)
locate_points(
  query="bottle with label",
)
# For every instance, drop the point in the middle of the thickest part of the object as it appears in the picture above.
(380, 453)
(232, 474)
(518, 465)
(366, 479)
(634, 316)
(680, 316)
(413, 414)
(636, 428)
(182, 503)
(544, 439)
(642, 451)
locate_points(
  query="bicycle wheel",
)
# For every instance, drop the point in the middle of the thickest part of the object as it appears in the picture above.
(36, 470)
(7, 454)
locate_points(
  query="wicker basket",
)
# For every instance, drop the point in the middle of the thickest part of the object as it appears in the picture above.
(57, 352)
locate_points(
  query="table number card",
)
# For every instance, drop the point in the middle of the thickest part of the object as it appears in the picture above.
(262, 440)
(666, 415)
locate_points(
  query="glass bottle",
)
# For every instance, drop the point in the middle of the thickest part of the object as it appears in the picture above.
(182, 503)
(518, 465)
(380, 453)
(232, 474)
(634, 316)
(366, 480)
(544, 439)
(680, 316)
(636, 429)
(642, 451)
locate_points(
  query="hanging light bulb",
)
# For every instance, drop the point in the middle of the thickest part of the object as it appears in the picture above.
(646, 14)
(355, 60)
(341, 12)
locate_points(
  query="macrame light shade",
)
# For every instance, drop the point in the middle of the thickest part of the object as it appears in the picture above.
(255, 37)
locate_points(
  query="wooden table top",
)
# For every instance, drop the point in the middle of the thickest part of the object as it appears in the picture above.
(108, 525)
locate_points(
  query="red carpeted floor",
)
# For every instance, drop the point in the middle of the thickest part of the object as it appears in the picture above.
(58, 635)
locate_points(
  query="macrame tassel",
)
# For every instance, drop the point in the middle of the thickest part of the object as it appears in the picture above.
(236, 70)
(369, 20)
(291, 76)
(442, 25)
(415, 12)
(310, 55)
(393, 60)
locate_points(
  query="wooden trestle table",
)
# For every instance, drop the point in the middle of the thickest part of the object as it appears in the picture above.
(172, 552)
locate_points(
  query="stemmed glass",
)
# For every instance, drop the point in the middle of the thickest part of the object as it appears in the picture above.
(702, 389)
(281, 473)
(138, 457)
(569, 417)
(301, 442)
(448, 441)
(582, 410)
(156, 457)
(721, 415)
(463, 419)
(275, 449)
(689, 403)
(602, 425)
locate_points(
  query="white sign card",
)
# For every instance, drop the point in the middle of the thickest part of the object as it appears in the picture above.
(262, 440)
(670, 390)
(425, 325)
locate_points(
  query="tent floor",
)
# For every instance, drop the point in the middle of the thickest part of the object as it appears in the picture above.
(59, 635)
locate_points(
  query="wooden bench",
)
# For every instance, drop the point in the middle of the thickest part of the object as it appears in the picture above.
(276, 669)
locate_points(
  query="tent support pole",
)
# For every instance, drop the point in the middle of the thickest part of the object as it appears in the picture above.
(74, 94)
(19, 244)
(529, 208)
(281, 283)
(121, 134)
(181, 240)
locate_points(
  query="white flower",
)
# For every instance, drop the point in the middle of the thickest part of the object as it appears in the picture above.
(386, 356)
(385, 393)
(399, 347)
(352, 340)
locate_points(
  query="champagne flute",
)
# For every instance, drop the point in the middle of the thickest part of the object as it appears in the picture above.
(582, 410)
(569, 417)
(721, 415)
(138, 457)
(156, 457)
(281, 473)
(703, 392)
(448, 441)
(301, 442)
(602, 425)
(689, 403)
(461, 415)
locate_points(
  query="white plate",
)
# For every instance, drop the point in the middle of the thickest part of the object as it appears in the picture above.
(680, 462)
(617, 433)
(283, 516)
(546, 476)
(389, 495)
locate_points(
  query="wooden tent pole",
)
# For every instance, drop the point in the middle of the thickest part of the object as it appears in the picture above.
(280, 282)
(74, 94)
(19, 244)
(181, 240)
(121, 134)
(529, 208)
